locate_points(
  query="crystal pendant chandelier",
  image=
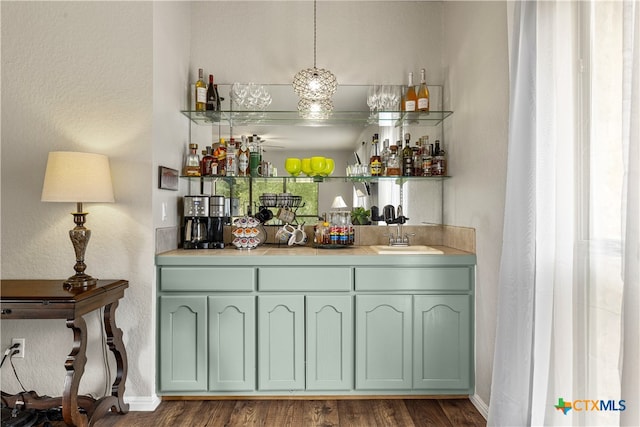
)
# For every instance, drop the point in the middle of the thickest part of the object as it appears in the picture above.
(315, 86)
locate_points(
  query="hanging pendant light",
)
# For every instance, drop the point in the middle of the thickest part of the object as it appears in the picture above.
(315, 84)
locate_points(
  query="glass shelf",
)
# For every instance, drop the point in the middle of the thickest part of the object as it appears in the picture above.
(292, 118)
(332, 178)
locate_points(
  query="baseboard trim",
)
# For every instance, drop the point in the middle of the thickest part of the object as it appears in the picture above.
(482, 407)
(143, 403)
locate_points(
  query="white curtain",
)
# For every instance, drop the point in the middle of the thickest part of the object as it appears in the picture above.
(544, 330)
(630, 374)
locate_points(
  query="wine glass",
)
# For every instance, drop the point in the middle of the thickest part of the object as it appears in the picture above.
(293, 165)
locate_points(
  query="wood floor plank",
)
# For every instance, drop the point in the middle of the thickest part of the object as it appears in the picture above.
(354, 413)
(320, 413)
(427, 412)
(461, 412)
(248, 413)
(284, 413)
(392, 412)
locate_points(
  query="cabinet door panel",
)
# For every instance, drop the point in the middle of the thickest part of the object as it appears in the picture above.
(329, 342)
(183, 343)
(281, 342)
(232, 355)
(207, 279)
(442, 342)
(383, 342)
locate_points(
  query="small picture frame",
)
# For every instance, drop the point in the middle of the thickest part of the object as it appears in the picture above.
(167, 178)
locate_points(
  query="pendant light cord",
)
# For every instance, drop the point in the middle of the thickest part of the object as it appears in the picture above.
(314, 34)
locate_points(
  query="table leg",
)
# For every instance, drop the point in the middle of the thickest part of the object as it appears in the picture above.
(74, 366)
(114, 341)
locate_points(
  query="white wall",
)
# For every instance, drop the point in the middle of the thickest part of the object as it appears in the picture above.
(476, 89)
(70, 81)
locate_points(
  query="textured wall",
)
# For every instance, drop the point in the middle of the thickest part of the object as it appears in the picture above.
(77, 76)
(478, 86)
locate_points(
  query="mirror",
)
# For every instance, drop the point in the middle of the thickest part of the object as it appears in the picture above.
(346, 133)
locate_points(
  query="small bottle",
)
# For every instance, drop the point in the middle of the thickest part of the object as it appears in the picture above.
(410, 98)
(207, 160)
(423, 93)
(232, 158)
(201, 92)
(427, 161)
(384, 156)
(375, 162)
(439, 161)
(407, 157)
(393, 164)
(221, 155)
(243, 157)
(417, 161)
(212, 96)
(192, 162)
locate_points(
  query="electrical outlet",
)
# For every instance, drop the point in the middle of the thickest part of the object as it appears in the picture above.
(19, 341)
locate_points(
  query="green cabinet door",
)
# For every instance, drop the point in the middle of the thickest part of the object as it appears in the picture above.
(183, 343)
(232, 352)
(329, 342)
(281, 342)
(383, 342)
(442, 342)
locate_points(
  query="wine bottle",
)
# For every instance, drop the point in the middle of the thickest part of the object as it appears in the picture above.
(212, 96)
(201, 92)
(375, 163)
(410, 97)
(423, 93)
(407, 157)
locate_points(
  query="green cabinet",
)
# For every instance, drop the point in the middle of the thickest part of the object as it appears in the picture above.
(329, 339)
(281, 342)
(442, 342)
(383, 342)
(232, 350)
(305, 342)
(421, 340)
(183, 343)
(247, 325)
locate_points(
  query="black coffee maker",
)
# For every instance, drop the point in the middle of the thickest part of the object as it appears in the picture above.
(216, 222)
(195, 231)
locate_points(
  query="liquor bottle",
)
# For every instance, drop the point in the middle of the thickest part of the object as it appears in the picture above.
(423, 93)
(232, 158)
(393, 164)
(243, 157)
(207, 160)
(221, 155)
(192, 162)
(407, 157)
(212, 95)
(410, 98)
(427, 160)
(201, 92)
(384, 156)
(375, 162)
(439, 161)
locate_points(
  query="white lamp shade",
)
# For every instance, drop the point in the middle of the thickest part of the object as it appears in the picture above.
(77, 177)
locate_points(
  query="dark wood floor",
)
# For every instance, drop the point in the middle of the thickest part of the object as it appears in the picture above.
(298, 413)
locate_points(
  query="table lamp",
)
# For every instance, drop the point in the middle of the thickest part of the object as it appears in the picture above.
(80, 178)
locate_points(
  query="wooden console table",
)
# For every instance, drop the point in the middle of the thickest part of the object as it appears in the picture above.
(49, 299)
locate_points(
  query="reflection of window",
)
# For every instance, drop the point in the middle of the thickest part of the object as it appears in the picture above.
(308, 191)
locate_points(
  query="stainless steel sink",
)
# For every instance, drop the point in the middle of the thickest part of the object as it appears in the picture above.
(406, 250)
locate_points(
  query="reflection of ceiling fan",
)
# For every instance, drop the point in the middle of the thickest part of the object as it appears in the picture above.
(266, 146)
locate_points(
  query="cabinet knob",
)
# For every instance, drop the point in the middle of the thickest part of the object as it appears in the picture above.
(6, 311)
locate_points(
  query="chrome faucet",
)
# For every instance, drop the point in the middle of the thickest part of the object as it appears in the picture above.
(399, 239)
